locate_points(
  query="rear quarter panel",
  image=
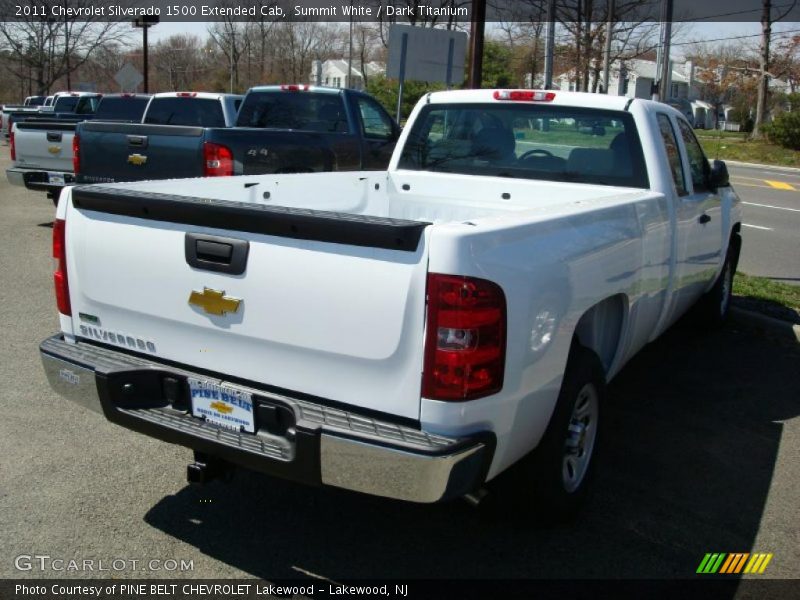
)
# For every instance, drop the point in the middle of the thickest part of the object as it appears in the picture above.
(553, 265)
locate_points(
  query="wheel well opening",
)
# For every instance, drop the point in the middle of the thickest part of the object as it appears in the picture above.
(600, 328)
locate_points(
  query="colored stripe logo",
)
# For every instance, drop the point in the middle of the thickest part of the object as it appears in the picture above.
(734, 563)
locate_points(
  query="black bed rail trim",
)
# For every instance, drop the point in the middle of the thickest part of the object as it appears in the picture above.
(53, 125)
(295, 223)
(142, 128)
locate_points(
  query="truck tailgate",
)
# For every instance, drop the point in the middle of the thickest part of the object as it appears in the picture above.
(329, 305)
(46, 146)
(136, 152)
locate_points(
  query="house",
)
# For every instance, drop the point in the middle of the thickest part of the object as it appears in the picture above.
(635, 77)
(333, 73)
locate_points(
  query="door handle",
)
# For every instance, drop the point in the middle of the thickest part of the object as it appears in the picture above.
(216, 253)
(138, 141)
(704, 218)
(53, 137)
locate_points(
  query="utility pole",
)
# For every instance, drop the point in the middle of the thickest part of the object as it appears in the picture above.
(666, 69)
(549, 44)
(607, 58)
(476, 28)
(145, 23)
(233, 51)
(763, 59)
(66, 48)
(350, 52)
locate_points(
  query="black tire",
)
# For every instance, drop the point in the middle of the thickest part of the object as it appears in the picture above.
(712, 309)
(538, 486)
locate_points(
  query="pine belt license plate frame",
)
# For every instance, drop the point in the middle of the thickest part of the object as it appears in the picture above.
(222, 405)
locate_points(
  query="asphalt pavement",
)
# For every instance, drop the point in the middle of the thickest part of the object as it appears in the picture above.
(701, 454)
(771, 228)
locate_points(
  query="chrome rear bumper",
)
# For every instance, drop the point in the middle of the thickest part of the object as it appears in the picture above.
(318, 445)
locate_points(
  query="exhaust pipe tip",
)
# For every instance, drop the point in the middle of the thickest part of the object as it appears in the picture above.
(475, 498)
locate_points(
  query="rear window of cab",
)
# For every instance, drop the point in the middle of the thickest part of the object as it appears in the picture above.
(527, 141)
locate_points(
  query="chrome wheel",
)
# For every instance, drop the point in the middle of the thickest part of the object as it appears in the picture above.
(581, 435)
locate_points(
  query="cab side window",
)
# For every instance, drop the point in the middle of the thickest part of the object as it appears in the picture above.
(673, 153)
(376, 123)
(698, 165)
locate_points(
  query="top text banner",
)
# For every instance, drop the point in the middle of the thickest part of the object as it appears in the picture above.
(417, 12)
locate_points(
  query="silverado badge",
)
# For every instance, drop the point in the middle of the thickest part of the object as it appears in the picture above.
(137, 159)
(54, 149)
(214, 302)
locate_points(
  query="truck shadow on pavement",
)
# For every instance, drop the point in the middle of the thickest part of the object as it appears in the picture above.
(693, 432)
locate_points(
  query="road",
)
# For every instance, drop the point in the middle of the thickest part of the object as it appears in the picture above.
(771, 231)
(700, 455)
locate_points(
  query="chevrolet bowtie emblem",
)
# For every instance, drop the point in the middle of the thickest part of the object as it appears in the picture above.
(221, 407)
(137, 159)
(214, 302)
(54, 149)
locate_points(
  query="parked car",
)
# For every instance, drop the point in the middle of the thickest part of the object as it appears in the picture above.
(279, 129)
(42, 151)
(412, 332)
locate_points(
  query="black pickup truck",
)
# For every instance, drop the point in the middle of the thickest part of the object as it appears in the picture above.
(278, 129)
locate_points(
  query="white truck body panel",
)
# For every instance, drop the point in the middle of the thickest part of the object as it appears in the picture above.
(347, 323)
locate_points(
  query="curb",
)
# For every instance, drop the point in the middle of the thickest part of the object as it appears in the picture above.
(736, 163)
(770, 325)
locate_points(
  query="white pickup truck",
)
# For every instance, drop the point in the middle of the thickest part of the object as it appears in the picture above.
(409, 333)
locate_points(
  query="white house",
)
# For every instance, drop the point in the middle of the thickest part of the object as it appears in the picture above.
(333, 73)
(634, 78)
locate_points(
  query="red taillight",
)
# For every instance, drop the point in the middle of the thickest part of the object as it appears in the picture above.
(465, 345)
(76, 155)
(217, 160)
(60, 274)
(186, 94)
(294, 88)
(524, 95)
(11, 145)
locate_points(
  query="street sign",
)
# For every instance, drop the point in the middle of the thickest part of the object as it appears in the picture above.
(128, 78)
(425, 54)
(432, 55)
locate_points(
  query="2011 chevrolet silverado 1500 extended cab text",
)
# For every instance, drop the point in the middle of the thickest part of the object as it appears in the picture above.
(279, 129)
(409, 333)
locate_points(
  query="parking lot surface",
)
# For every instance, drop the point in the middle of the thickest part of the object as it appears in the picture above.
(701, 454)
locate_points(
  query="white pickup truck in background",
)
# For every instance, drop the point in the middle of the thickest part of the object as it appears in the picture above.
(410, 333)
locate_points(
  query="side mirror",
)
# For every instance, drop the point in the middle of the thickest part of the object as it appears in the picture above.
(718, 176)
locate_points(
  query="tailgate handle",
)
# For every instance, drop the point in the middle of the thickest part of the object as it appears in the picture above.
(53, 136)
(139, 141)
(216, 253)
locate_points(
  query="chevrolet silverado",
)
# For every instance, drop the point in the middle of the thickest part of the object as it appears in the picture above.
(412, 333)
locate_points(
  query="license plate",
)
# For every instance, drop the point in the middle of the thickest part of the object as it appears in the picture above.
(222, 405)
(55, 178)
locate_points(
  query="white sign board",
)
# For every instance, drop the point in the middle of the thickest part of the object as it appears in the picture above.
(128, 78)
(428, 53)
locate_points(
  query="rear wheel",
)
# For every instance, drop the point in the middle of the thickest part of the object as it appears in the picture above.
(551, 484)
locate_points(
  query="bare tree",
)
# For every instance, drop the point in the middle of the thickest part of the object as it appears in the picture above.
(49, 48)
(231, 40)
(178, 61)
